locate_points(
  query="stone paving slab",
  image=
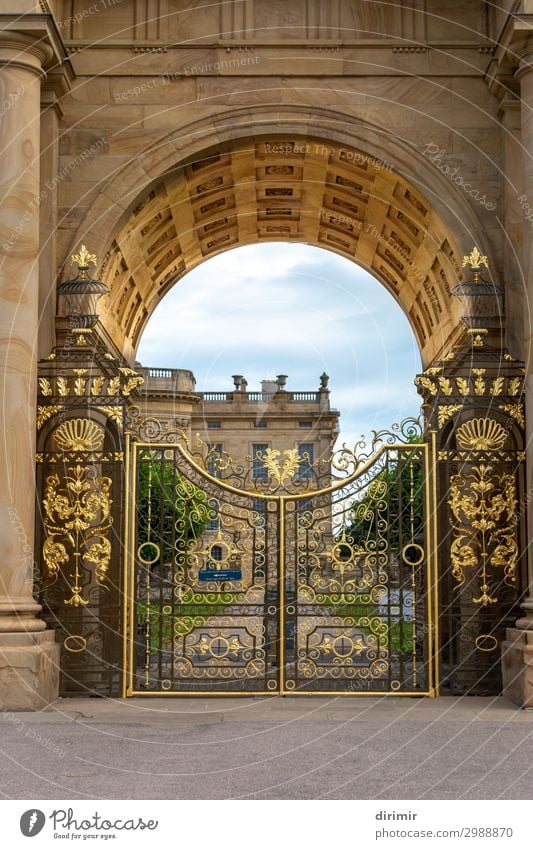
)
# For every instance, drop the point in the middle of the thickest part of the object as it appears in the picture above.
(291, 748)
(152, 709)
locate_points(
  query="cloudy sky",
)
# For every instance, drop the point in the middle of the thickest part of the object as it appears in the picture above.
(275, 309)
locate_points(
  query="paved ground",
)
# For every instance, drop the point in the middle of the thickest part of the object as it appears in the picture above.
(282, 748)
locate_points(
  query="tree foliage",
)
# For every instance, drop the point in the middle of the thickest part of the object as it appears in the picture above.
(172, 511)
(391, 506)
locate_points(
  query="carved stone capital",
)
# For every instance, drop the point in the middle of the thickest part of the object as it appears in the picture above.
(34, 43)
(524, 52)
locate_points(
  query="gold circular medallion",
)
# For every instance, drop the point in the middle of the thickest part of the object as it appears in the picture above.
(416, 554)
(75, 643)
(486, 642)
(144, 547)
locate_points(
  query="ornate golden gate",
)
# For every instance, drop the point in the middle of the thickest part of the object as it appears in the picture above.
(306, 578)
(284, 575)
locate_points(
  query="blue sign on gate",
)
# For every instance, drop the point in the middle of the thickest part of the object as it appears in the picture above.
(219, 575)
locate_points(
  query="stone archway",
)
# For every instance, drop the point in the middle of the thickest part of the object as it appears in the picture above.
(409, 233)
(168, 145)
(351, 190)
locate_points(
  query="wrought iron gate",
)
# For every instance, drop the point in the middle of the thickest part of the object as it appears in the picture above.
(306, 577)
(309, 578)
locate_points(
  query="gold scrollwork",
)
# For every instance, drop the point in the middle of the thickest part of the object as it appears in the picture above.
(215, 460)
(342, 646)
(77, 521)
(483, 506)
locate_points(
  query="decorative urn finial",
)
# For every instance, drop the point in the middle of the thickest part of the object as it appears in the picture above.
(481, 300)
(79, 297)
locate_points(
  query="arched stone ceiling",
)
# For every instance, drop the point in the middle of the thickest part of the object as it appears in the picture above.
(287, 189)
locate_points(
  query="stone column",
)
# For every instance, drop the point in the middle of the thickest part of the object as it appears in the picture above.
(517, 651)
(513, 222)
(50, 115)
(28, 655)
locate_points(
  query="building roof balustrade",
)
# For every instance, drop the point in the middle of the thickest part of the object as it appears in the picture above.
(170, 380)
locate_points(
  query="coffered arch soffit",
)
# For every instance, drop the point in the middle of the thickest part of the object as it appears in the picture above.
(353, 190)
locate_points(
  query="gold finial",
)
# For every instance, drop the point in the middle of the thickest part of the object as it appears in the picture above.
(83, 259)
(475, 260)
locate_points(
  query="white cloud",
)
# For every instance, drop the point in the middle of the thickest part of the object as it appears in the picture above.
(279, 308)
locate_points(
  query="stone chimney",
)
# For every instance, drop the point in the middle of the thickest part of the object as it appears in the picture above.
(269, 387)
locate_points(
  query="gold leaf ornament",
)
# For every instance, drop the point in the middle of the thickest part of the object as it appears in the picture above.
(446, 411)
(475, 260)
(483, 508)
(445, 385)
(132, 384)
(80, 383)
(62, 387)
(515, 386)
(114, 413)
(99, 554)
(84, 258)
(277, 472)
(96, 388)
(46, 412)
(463, 385)
(479, 385)
(516, 411)
(497, 386)
(113, 386)
(54, 555)
(426, 383)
